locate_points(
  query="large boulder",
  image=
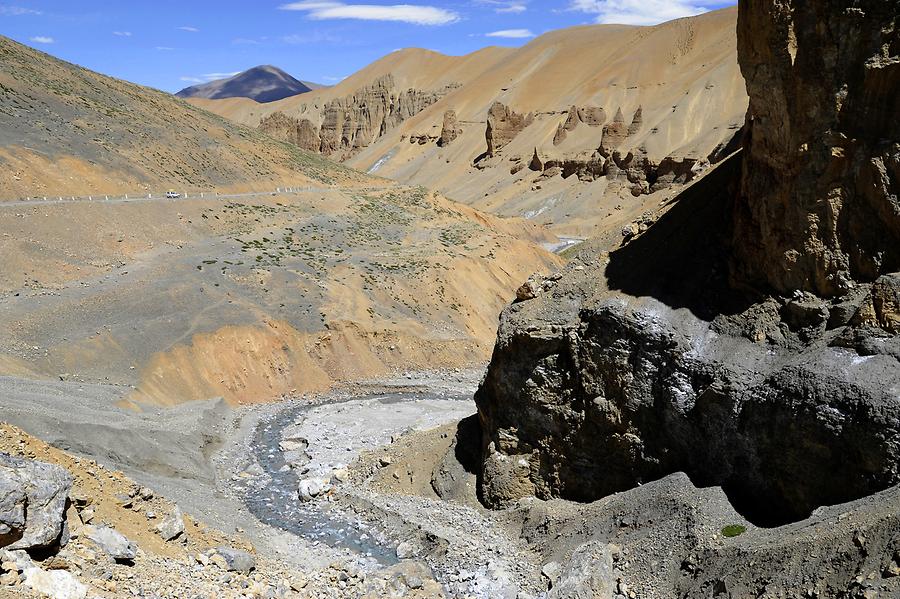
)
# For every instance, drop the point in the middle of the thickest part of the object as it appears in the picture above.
(111, 542)
(32, 503)
(818, 208)
(55, 584)
(234, 560)
(172, 525)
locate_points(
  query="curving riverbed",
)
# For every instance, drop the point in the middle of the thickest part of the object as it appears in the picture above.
(334, 433)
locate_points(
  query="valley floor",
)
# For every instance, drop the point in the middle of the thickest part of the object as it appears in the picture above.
(230, 470)
(391, 509)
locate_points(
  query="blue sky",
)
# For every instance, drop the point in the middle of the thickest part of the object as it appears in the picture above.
(171, 44)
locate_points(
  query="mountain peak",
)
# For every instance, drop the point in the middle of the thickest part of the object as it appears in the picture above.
(263, 83)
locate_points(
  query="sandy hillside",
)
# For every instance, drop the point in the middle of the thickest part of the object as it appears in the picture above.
(65, 130)
(252, 298)
(681, 80)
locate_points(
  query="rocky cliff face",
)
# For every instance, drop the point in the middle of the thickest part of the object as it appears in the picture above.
(818, 205)
(654, 358)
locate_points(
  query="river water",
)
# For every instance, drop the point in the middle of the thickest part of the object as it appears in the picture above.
(337, 431)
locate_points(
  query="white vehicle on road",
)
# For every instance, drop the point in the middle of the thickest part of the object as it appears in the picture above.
(172, 195)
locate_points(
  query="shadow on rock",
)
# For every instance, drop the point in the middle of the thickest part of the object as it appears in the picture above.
(682, 260)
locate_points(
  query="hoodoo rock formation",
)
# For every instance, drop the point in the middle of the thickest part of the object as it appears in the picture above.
(592, 116)
(300, 132)
(677, 88)
(450, 129)
(503, 124)
(750, 336)
(356, 121)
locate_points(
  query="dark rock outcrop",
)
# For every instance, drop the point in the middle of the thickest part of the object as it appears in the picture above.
(536, 164)
(672, 171)
(818, 207)
(503, 125)
(658, 358)
(598, 385)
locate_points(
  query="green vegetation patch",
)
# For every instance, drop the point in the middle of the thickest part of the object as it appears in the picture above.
(733, 530)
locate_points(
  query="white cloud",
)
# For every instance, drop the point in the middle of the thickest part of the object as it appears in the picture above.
(42, 39)
(191, 29)
(506, 6)
(16, 11)
(333, 79)
(207, 77)
(245, 41)
(164, 48)
(641, 12)
(511, 33)
(215, 76)
(404, 13)
(122, 33)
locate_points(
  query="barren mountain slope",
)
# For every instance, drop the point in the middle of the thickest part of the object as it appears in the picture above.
(672, 91)
(65, 130)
